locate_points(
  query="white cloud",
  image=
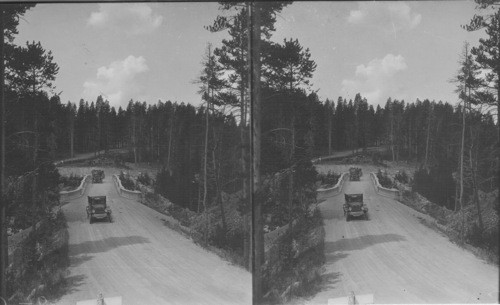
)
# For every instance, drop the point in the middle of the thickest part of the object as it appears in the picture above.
(117, 82)
(376, 81)
(357, 16)
(134, 18)
(392, 16)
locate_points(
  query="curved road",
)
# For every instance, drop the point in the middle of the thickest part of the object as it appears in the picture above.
(139, 258)
(396, 258)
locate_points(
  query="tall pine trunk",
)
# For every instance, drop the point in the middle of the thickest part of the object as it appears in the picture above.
(246, 139)
(290, 181)
(3, 224)
(245, 183)
(35, 159)
(475, 186)
(218, 186)
(205, 175)
(462, 151)
(462, 145)
(257, 228)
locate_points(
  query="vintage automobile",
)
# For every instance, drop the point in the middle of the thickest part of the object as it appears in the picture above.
(355, 207)
(355, 173)
(97, 175)
(97, 208)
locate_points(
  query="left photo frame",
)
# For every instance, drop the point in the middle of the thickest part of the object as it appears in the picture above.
(125, 173)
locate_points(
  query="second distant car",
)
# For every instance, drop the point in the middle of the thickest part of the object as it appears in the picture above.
(97, 175)
(355, 173)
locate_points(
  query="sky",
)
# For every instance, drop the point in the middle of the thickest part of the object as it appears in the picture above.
(152, 51)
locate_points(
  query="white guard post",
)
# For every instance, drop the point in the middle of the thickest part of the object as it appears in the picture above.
(102, 301)
(352, 299)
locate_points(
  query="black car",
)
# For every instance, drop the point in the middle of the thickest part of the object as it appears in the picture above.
(354, 206)
(97, 208)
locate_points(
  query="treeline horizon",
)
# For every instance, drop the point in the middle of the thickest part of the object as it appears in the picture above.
(338, 125)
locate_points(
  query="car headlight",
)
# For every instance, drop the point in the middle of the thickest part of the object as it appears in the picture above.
(93, 211)
(350, 209)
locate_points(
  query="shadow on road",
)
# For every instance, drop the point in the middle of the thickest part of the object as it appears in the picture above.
(328, 280)
(105, 245)
(333, 256)
(77, 260)
(361, 242)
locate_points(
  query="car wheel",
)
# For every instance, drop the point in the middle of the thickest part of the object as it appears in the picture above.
(91, 220)
(109, 218)
(347, 218)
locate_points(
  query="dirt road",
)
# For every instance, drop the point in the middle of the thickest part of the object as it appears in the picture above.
(139, 258)
(396, 258)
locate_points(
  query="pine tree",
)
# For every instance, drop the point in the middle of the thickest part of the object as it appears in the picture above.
(211, 83)
(467, 85)
(30, 69)
(487, 54)
(288, 66)
(9, 20)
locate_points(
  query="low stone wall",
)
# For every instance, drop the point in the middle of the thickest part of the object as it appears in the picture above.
(391, 193)
(333, 191)
(133, 195)
(78, 192)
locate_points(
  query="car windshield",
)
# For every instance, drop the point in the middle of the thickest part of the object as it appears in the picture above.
(99, 205)
(354, 198)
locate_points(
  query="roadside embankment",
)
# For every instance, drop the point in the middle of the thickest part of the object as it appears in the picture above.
(38, 261)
